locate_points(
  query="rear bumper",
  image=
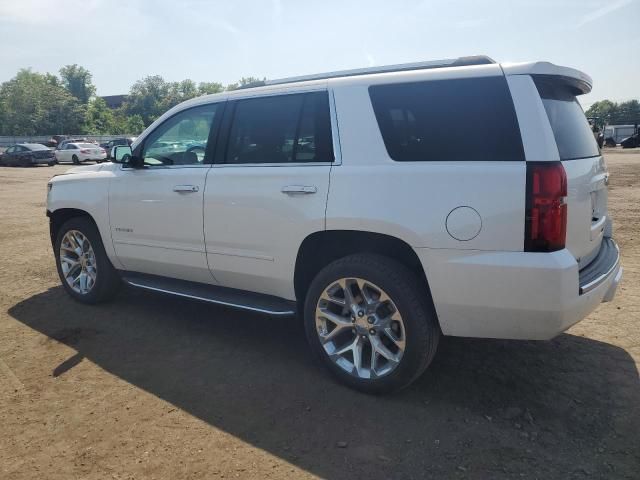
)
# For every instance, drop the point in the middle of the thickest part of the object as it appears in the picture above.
(91, 157)
(47, 160)
(517, 295)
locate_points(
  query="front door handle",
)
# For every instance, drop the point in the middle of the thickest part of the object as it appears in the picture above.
(186, 188)
(304, 189)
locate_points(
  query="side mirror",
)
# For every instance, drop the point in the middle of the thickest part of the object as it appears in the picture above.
(123, 154)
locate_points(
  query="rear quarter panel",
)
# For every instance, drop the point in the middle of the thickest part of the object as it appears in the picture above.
(411, 200)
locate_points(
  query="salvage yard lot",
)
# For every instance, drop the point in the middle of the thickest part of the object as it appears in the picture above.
(157, 387)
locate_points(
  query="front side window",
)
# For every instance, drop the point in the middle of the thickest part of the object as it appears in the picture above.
(281, 129)
(181, 140)
(465, 119)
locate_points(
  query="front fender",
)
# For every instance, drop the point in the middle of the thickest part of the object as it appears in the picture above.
(89, 192)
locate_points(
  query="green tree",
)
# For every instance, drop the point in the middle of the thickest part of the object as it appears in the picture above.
(77, 80)
(36, 104)
(243, 82)
(612, 113)
(178, 92)
(628, 112)
(99, 118)
(147, 98)
(127, 124)
(207, 88)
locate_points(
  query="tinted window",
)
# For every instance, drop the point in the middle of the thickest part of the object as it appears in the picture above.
(456, 120)
(182, 139)
(34, 147)
(281, 129)
(570, 127)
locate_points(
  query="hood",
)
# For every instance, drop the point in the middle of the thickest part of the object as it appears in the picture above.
(91, 168)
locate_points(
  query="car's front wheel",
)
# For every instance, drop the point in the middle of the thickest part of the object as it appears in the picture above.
(83, 266)
(75, 160)
(370, 321)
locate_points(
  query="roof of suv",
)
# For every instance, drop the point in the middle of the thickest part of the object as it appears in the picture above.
(580, 81)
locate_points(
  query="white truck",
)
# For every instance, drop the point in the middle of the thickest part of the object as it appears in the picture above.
(352, 201)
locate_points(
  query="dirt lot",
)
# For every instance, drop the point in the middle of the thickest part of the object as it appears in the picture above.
(158, 387)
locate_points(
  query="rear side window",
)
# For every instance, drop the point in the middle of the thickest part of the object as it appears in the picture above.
(470, 119)
(281, 129)
(570, 127)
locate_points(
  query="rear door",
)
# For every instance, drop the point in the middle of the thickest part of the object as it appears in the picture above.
(587, 176)
(267, 189)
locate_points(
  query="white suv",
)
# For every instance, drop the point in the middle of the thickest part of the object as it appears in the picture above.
(386, 206)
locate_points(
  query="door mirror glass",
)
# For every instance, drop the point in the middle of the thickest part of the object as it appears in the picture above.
(121, 154)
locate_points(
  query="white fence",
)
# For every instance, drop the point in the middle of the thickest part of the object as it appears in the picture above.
(6, 141)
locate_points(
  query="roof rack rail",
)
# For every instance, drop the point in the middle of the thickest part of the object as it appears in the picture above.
(401, 67)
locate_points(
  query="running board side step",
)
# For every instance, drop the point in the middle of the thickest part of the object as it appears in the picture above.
(230, 297)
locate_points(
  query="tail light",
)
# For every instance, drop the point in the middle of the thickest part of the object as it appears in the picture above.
(85, 150)
(546, 214)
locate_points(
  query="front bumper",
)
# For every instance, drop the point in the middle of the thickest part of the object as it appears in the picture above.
(517, 295)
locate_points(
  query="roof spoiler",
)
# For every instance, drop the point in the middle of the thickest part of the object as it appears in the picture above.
(580, 82)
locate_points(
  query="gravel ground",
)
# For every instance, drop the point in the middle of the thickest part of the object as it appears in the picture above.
(156, 387)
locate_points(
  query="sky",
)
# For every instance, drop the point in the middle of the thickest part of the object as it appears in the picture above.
(121, 41)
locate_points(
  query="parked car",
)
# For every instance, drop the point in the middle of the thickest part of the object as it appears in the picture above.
(108, 146)
(80, 152)
(62, 143)
(631, 142)
(27, 155)
(383, 234)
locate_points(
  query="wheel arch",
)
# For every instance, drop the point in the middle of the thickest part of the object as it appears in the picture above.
(321, 248)
(58, 217)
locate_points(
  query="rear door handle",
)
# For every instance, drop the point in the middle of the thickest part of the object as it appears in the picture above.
(186, 188)
(304, 189)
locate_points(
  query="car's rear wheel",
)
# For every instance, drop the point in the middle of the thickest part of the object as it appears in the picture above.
(51, 164)
(370, 321)
(75, 160)
(83, 266)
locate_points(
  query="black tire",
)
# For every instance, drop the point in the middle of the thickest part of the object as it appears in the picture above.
(75, 160)
(51, 164)
(107, 279)
(413, 302)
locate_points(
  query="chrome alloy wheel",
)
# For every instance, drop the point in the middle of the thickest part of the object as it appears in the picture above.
(360, 328)
(78, 262)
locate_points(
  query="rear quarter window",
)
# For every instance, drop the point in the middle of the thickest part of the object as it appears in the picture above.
(470, 119)
(571, 129)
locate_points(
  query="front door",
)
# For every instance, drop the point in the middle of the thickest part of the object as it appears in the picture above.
(156, 211)
(268, 189)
